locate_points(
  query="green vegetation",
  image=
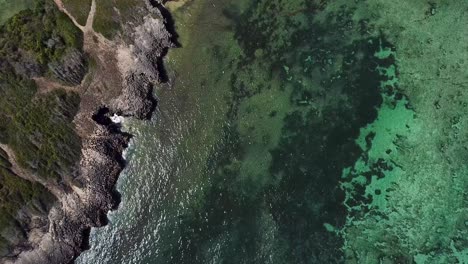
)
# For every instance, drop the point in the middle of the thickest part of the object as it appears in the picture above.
(43, 32)
(78, 9)
(110, 15)
(16, 194)
(106, 19)
(37, 127)
(8, 8)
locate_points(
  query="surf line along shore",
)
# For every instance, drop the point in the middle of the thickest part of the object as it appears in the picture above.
(125, 69)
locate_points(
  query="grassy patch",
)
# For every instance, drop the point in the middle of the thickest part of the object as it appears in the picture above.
(110, 15)
(106, 19)
(78, 9)
(8, 8)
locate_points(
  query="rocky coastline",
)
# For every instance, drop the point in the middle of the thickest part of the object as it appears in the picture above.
(120, 83)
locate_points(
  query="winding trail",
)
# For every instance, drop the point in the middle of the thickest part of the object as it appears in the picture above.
(96, 87)
(87, 29)
(28, 175)
(89, 22)
(62, 8)
(45, 85)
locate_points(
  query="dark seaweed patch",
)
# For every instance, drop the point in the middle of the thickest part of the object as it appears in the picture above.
(303, 190)
(312, 155)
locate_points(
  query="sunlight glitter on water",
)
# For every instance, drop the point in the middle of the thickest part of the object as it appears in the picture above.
(229, 168)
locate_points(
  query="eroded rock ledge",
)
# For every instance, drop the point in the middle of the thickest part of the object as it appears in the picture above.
(127, 68)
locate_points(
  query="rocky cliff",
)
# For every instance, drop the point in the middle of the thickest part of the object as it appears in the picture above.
(71, 68)
(119, 80)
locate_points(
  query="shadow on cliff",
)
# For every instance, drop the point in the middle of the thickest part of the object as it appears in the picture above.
(102, 117)
(103, 114)
(169, 23)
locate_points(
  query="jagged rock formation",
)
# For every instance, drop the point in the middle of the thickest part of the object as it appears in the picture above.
(84, 200)
(144, 69)
(71, 68)
(81, 208)
(30, 217)
(135, 100)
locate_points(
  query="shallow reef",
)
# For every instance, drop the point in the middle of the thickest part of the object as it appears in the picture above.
(316, 162)
(301, 132)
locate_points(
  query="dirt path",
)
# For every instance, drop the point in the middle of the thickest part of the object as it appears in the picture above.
(95, 44)
(29, 176)
(88, 28)
(102, 83)
(61, 7)
(89, 22)
(88, 31)
(45, 85)
(93, 39)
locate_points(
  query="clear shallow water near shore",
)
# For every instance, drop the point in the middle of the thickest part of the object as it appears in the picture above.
(235, 166)
(276, 117)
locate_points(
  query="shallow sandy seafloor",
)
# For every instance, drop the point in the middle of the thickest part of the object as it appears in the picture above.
(294, 132)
